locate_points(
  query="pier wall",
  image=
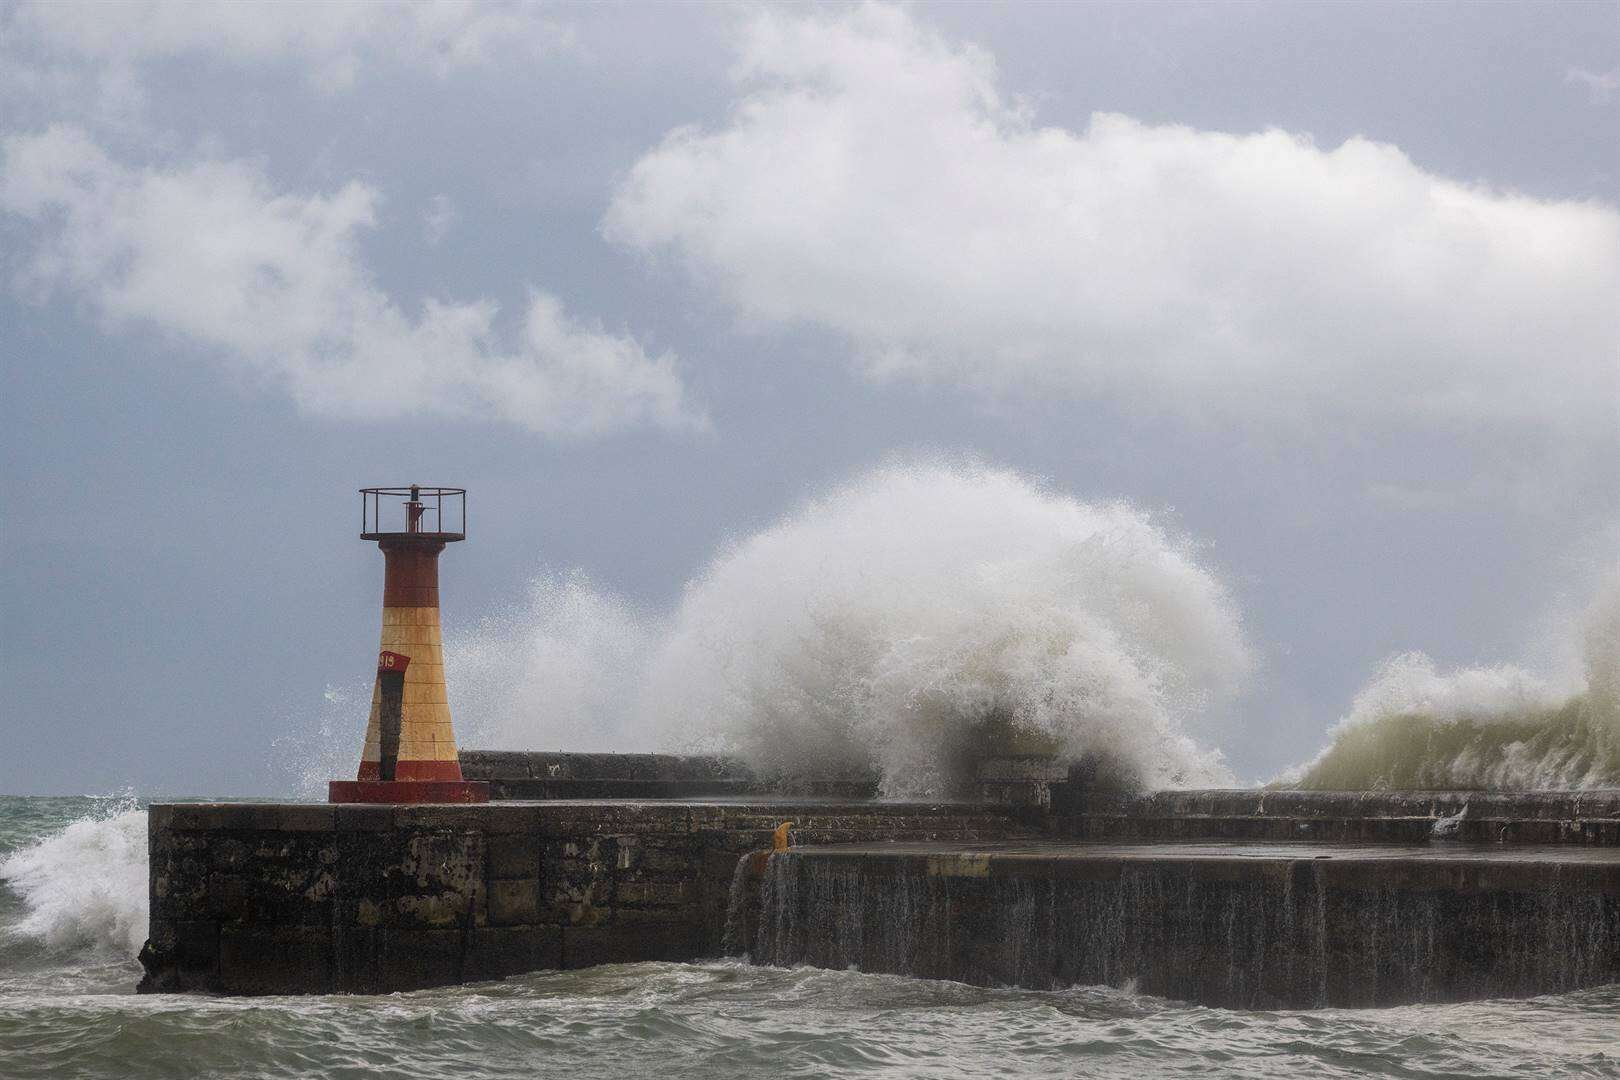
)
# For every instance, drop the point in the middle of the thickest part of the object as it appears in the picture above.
(1388, 817)
(1078, 810)
(287, 898)
(1226, 897)
(1273, 926)
(535, 774)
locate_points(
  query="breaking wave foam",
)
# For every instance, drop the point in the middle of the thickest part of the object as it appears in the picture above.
(1496, 727)
(877, 626)
(84, 885)
(873, 627)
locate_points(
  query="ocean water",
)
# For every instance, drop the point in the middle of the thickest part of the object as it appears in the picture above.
(72, 910)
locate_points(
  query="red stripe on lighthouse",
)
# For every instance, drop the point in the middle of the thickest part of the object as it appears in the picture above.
(411, 572)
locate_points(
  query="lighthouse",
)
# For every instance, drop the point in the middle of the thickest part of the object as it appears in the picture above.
(409, 754)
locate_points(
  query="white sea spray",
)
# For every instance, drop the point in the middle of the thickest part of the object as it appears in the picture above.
(564, 662)
(877, 624)
(866, 630)
(1501, 726)
(871, 627)
(84, 885)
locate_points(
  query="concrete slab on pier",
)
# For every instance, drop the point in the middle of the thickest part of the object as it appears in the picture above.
(1025, 855)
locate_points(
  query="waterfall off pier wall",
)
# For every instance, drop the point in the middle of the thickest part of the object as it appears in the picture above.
(1226, 925)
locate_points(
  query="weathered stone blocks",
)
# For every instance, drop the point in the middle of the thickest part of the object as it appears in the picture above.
(262, 898)
(1258, 927)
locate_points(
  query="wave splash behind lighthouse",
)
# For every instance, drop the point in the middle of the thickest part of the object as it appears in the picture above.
(410, 755)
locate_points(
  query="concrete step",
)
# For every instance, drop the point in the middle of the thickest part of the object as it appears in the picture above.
(1589, 817)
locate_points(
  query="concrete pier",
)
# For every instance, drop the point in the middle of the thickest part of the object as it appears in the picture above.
(1253, 898)
(284, 898)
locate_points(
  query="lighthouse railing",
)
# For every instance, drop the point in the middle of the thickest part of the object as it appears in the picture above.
(444, 508)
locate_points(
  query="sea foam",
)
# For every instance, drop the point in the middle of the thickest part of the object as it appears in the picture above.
(875, 625)
(84, 885)
(1499, 726)
(868, 629)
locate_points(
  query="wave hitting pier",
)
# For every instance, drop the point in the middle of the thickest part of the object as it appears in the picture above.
(1229, 898)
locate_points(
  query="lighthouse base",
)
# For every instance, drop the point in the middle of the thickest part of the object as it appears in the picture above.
(407, 791)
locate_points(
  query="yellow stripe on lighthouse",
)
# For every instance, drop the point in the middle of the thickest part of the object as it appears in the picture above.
(410, 628)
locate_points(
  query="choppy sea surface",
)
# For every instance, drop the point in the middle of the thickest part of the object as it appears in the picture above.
(73, 910)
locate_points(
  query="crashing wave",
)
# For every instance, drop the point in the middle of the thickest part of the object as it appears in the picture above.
(1502, 727)
(875, 630)
(84, 885)
(878, 627)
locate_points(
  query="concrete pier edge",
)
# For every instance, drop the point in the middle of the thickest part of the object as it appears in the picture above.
(252, 898)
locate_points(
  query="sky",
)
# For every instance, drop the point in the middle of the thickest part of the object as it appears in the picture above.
(1329, 288)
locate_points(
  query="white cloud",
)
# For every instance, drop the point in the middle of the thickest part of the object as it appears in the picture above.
(1600, 85)
(273, 281)
(873, 179)
(335, 37)
(437, 220)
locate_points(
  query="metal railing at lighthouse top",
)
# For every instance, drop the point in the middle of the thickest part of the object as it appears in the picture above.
(411, 510)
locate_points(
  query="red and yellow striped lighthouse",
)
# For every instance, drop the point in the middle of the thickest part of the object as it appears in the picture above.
(410, 748)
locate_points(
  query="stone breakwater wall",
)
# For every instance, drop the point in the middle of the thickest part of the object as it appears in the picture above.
(286, 898)
(535, 774)
(1394, 817)
(1237, 926)
(1227, 897)
(1075, 808)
